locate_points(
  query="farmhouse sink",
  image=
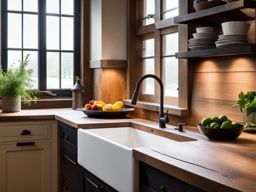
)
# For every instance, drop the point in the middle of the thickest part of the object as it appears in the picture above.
(107, 153)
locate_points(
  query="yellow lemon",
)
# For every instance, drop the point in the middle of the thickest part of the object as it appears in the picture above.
(120, 103)
(116, 107)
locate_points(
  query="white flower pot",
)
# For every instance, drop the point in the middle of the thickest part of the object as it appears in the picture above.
(250, 118)
(10, 104)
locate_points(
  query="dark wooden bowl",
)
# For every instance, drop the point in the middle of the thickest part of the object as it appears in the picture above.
(207, 4)
(220, 134)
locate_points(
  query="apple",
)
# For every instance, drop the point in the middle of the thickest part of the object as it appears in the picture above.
(94, 107)
(91, 102)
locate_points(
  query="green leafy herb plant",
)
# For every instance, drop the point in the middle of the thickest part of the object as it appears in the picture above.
(247, 102)
(18, 82)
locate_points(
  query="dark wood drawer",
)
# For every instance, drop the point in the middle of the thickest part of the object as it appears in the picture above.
(68, 141)
(153, 180)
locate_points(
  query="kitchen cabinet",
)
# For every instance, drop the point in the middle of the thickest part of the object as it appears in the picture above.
(71, 173)
(94, 184)
(27, 162)
(242, 9)
(75, 178)
(153, 180)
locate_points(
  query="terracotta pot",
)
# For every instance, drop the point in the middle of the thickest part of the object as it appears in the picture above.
(250, 118)
(10, 104)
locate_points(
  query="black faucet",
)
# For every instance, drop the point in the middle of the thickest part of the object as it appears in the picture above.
(163, 119)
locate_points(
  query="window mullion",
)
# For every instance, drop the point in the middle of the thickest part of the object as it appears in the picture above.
(42, 45)
(4, 36)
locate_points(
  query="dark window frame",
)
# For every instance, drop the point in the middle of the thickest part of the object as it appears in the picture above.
(42, 43)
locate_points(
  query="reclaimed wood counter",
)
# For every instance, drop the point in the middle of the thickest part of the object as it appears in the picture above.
(209, 165)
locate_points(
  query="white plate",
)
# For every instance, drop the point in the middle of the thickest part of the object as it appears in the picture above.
(228, 44)
(205, 35)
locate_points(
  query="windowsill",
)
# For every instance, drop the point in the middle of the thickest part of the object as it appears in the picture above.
(172, 109)
(47, 103)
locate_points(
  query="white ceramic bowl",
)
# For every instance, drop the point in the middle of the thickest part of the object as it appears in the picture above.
(235, 28)
(205, 29)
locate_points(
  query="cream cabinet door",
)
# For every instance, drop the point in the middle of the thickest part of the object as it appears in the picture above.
(25, 166)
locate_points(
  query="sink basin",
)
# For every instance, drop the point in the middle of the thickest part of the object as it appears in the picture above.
(107, 153)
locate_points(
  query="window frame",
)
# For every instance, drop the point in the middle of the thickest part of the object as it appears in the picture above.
(42, 64)
(156, 30)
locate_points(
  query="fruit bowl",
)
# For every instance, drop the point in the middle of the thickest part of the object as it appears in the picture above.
(220, 133)
(107, 114)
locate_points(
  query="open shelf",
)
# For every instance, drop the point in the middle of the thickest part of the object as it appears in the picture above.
(237, 9)
(218, 52)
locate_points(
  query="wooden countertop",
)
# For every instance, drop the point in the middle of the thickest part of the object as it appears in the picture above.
(219, 166)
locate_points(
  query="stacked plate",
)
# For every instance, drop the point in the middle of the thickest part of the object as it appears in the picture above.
(204, 39)
(231, 40)
(234, 33)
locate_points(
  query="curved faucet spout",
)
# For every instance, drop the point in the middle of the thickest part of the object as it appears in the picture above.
(162, 118)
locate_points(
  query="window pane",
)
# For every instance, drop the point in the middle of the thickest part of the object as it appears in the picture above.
(170, 72)
(53, 68)
(149, 9)
(170, 8)
(53, 32)
(14, 30)
(30, 34)
(67, 63)
(148, 48)
(30, 5)
(14, 5)
(67, 7)
(52, 6)
(33, 64)
(170, 44)
(148, 68)
(67, 35)
(14, 58)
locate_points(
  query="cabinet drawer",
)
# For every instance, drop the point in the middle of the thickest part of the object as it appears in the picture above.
(69, 185)
(68, 139)
(24, 131)
(153, 180)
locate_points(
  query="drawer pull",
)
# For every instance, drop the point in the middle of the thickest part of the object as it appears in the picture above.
(25, 132)
(66, 189)
(66, 138)
(20, 144)
(70, 160)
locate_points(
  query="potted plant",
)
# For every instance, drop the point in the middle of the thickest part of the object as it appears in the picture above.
(247, 104)
(16, 85)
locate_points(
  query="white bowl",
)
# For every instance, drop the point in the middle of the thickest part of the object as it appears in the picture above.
(205, 29)
(235, 28)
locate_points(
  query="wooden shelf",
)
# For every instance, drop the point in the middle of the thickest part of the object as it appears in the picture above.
(218, 52)
(237, 9)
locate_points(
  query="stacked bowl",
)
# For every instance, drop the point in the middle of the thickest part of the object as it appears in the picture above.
(204, 38)
(234, 33)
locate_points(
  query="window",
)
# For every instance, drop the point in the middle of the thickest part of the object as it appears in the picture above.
(47, 30)
(158, 47)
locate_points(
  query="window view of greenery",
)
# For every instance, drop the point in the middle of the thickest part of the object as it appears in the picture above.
(170, 64)
(23, 38)
(167, 66)
(23, 34)
(148, 52)
(170, 8)
(149, 12)
(59, 43)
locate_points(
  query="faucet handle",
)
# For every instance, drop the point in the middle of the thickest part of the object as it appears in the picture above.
(180, 128)
(166, 117)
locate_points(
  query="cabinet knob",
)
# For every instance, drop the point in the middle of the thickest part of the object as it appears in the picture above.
(162, 188)
(66, 138)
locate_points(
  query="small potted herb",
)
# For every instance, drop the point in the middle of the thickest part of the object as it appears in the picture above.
(247, 104)
(16, 84)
